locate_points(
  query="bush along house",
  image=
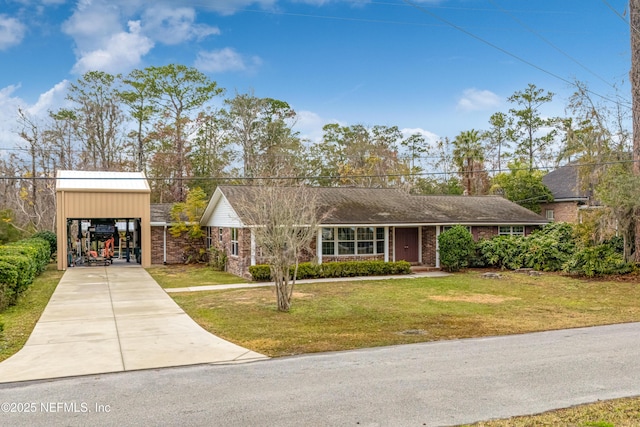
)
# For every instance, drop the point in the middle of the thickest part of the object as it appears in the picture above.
(368, 224)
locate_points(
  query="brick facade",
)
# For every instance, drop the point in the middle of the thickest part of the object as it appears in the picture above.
(429, 249)
(175, 247)
(239, 264)
(562, 211)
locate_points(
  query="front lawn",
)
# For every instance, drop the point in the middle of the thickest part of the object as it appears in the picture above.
(184, 276)
(347, 315)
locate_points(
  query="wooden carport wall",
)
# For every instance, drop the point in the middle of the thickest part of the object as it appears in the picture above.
(103, 203)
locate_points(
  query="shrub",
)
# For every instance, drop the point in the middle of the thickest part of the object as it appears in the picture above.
(24, 266)
(456, 248)
(217, 259)
(307, 270)
(36, 249)
(502, 251)
(8, 284)
(50, 237)
(598, 261)
(549, 248)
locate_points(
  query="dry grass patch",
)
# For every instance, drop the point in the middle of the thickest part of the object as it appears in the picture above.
(611, 413)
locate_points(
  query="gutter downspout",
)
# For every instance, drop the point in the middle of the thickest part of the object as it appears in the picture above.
(164, 246)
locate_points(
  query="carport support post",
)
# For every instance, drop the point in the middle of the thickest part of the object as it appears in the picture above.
(127, 239)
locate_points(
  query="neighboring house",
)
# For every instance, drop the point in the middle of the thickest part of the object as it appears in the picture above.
(569, 199)
(369, 224)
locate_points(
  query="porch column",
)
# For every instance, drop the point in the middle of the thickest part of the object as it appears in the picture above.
(319, 245)
(420, 245)
(437, 247)
(386, 244)
(253, 247)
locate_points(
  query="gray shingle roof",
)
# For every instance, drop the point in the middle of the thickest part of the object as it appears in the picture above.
(348, 205)
(564, 183)
(161, 212)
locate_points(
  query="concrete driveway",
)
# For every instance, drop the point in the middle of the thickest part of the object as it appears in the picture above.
(111, 319)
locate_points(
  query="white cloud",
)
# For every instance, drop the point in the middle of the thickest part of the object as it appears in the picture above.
(9, 104)
(310, 125)
(51, 100)
(121, 52)
(227, 59)
(174, 25)
(11, 32)
(430, 137)
(478, 100)
(93, 24)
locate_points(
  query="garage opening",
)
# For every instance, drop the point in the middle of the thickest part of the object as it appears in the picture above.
(103, 218)
(104, 241)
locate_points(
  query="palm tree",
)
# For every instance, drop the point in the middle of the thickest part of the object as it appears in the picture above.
(468, 156)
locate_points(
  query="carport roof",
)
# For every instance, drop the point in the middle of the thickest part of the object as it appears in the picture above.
(135, 182)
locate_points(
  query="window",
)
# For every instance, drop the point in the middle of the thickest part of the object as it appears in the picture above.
(549, 214)
(346, 241)
(220, 234)
(353, 241)
(234, 241)
(511, 230)
(209, 237)
(328, 242)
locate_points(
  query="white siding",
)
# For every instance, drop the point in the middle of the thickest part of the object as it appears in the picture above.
(224, 216)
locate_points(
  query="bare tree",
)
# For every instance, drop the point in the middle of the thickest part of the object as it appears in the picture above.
(284, 222)
(634, 20)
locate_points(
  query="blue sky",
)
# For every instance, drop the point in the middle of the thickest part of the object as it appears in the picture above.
(434, 66)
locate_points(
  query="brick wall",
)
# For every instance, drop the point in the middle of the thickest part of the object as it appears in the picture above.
(236, 264)
(562, 211)
(175, 246)
(429, 246)
(484, 232)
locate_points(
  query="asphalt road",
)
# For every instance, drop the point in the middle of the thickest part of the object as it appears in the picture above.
(432, 384)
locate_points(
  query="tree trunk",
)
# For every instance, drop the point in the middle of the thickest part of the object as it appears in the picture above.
(634, 77)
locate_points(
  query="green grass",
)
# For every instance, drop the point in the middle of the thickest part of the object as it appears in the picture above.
(347, 315)
(183, 276)
(611, 413)
(20, 319)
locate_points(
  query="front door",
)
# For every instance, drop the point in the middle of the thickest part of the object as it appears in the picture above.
(406, 246)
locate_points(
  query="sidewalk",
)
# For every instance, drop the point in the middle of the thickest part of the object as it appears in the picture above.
(303, 281)
(112, 319)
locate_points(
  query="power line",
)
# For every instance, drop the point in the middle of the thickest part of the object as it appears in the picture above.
(506, 52)
(614, 10)
(314, 177)
(537, 34)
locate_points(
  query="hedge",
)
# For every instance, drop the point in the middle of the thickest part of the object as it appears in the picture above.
(307, 270)
(20, 263)
(8, 284)
(37, 249)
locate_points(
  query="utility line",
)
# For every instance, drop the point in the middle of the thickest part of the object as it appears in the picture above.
(548, 42)
(315, 177)
(506, 52)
